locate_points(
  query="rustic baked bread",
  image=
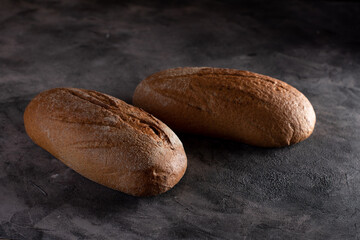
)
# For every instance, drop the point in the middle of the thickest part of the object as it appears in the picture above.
(227, 103)
(106, 140)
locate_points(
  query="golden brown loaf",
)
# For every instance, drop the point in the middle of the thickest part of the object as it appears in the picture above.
(233, 104)
(106, 140)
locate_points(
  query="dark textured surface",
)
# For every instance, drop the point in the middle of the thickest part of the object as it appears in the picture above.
(308, 191)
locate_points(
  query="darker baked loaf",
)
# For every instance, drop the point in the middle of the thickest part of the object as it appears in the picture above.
(233, 104)
(106, 140)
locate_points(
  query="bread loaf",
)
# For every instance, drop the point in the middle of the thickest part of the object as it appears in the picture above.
(232, 104)
(106, 140)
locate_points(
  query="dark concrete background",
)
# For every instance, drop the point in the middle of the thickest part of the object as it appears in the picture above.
(230, 191)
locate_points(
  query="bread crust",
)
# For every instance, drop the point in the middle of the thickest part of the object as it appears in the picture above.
(228, 103)
(106, 140)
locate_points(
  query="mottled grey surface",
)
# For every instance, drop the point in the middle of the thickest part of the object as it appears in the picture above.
(230, 190)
